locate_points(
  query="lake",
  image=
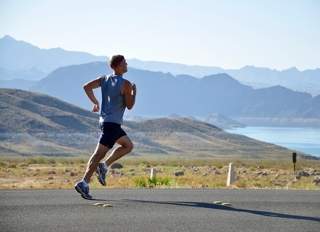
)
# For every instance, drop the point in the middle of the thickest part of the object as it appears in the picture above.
(302, 139)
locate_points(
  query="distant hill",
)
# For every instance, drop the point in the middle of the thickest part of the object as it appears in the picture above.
(37, 124)
(23, 111)
(187, 95)
(17, 84)
(34, 62)
(187, 137)
(218, 93)
(257, 77)
(222, 121)
(31, 74)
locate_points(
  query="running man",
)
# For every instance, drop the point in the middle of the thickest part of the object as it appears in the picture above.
(117, 95)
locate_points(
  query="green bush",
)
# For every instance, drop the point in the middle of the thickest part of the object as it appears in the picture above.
(148, 182)
(140, 182)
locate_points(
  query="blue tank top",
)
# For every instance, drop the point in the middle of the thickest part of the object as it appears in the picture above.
(112, 105)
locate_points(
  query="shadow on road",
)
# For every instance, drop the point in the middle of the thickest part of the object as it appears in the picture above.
(221, 207)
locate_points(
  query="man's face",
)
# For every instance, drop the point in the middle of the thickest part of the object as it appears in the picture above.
(122, 67)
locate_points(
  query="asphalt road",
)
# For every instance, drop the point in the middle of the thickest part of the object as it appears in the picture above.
(160, 210)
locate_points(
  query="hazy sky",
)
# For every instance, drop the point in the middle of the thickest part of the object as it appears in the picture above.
(230, 34)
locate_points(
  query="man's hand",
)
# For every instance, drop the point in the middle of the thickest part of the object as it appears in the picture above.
(96, 108)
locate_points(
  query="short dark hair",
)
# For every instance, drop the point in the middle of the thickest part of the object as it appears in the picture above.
(116, 60)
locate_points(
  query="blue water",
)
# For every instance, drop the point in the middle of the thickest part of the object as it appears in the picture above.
(302, 139)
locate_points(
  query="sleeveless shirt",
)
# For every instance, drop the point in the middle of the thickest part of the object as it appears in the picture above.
(112, 105)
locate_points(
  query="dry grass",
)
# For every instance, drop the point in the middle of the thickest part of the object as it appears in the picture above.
(62, 173)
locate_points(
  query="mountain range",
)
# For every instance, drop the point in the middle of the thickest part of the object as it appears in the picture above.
(257, 77)
(162, 94)
(38, 124)
(22, 60)
(34, 63)
(183, 94)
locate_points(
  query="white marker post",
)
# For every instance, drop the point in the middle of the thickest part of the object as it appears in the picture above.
(152, 173)
(231, 175)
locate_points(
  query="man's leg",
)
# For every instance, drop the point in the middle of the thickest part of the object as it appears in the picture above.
(94, 160)
(125, 148)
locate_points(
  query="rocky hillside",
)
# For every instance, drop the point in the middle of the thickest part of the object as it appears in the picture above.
(37, 124)
(24, 111)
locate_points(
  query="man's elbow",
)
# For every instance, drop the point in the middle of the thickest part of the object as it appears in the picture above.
(86, 87)
(130, 106)
(129, 102)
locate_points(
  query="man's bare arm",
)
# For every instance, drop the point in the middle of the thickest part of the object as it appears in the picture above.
(129, 92)
(88, 88)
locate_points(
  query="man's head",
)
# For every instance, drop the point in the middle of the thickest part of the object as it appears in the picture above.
(118, 64)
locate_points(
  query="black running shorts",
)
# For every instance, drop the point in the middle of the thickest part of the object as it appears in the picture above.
(110, 133)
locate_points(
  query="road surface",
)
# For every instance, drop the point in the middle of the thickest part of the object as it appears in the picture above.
(160, 210)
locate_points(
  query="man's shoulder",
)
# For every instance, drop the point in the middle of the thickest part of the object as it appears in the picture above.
(102, 78)
(127, 82)
(125, 86)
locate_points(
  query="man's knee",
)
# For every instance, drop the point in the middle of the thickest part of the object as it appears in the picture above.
(126, 143)
(129, 146)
